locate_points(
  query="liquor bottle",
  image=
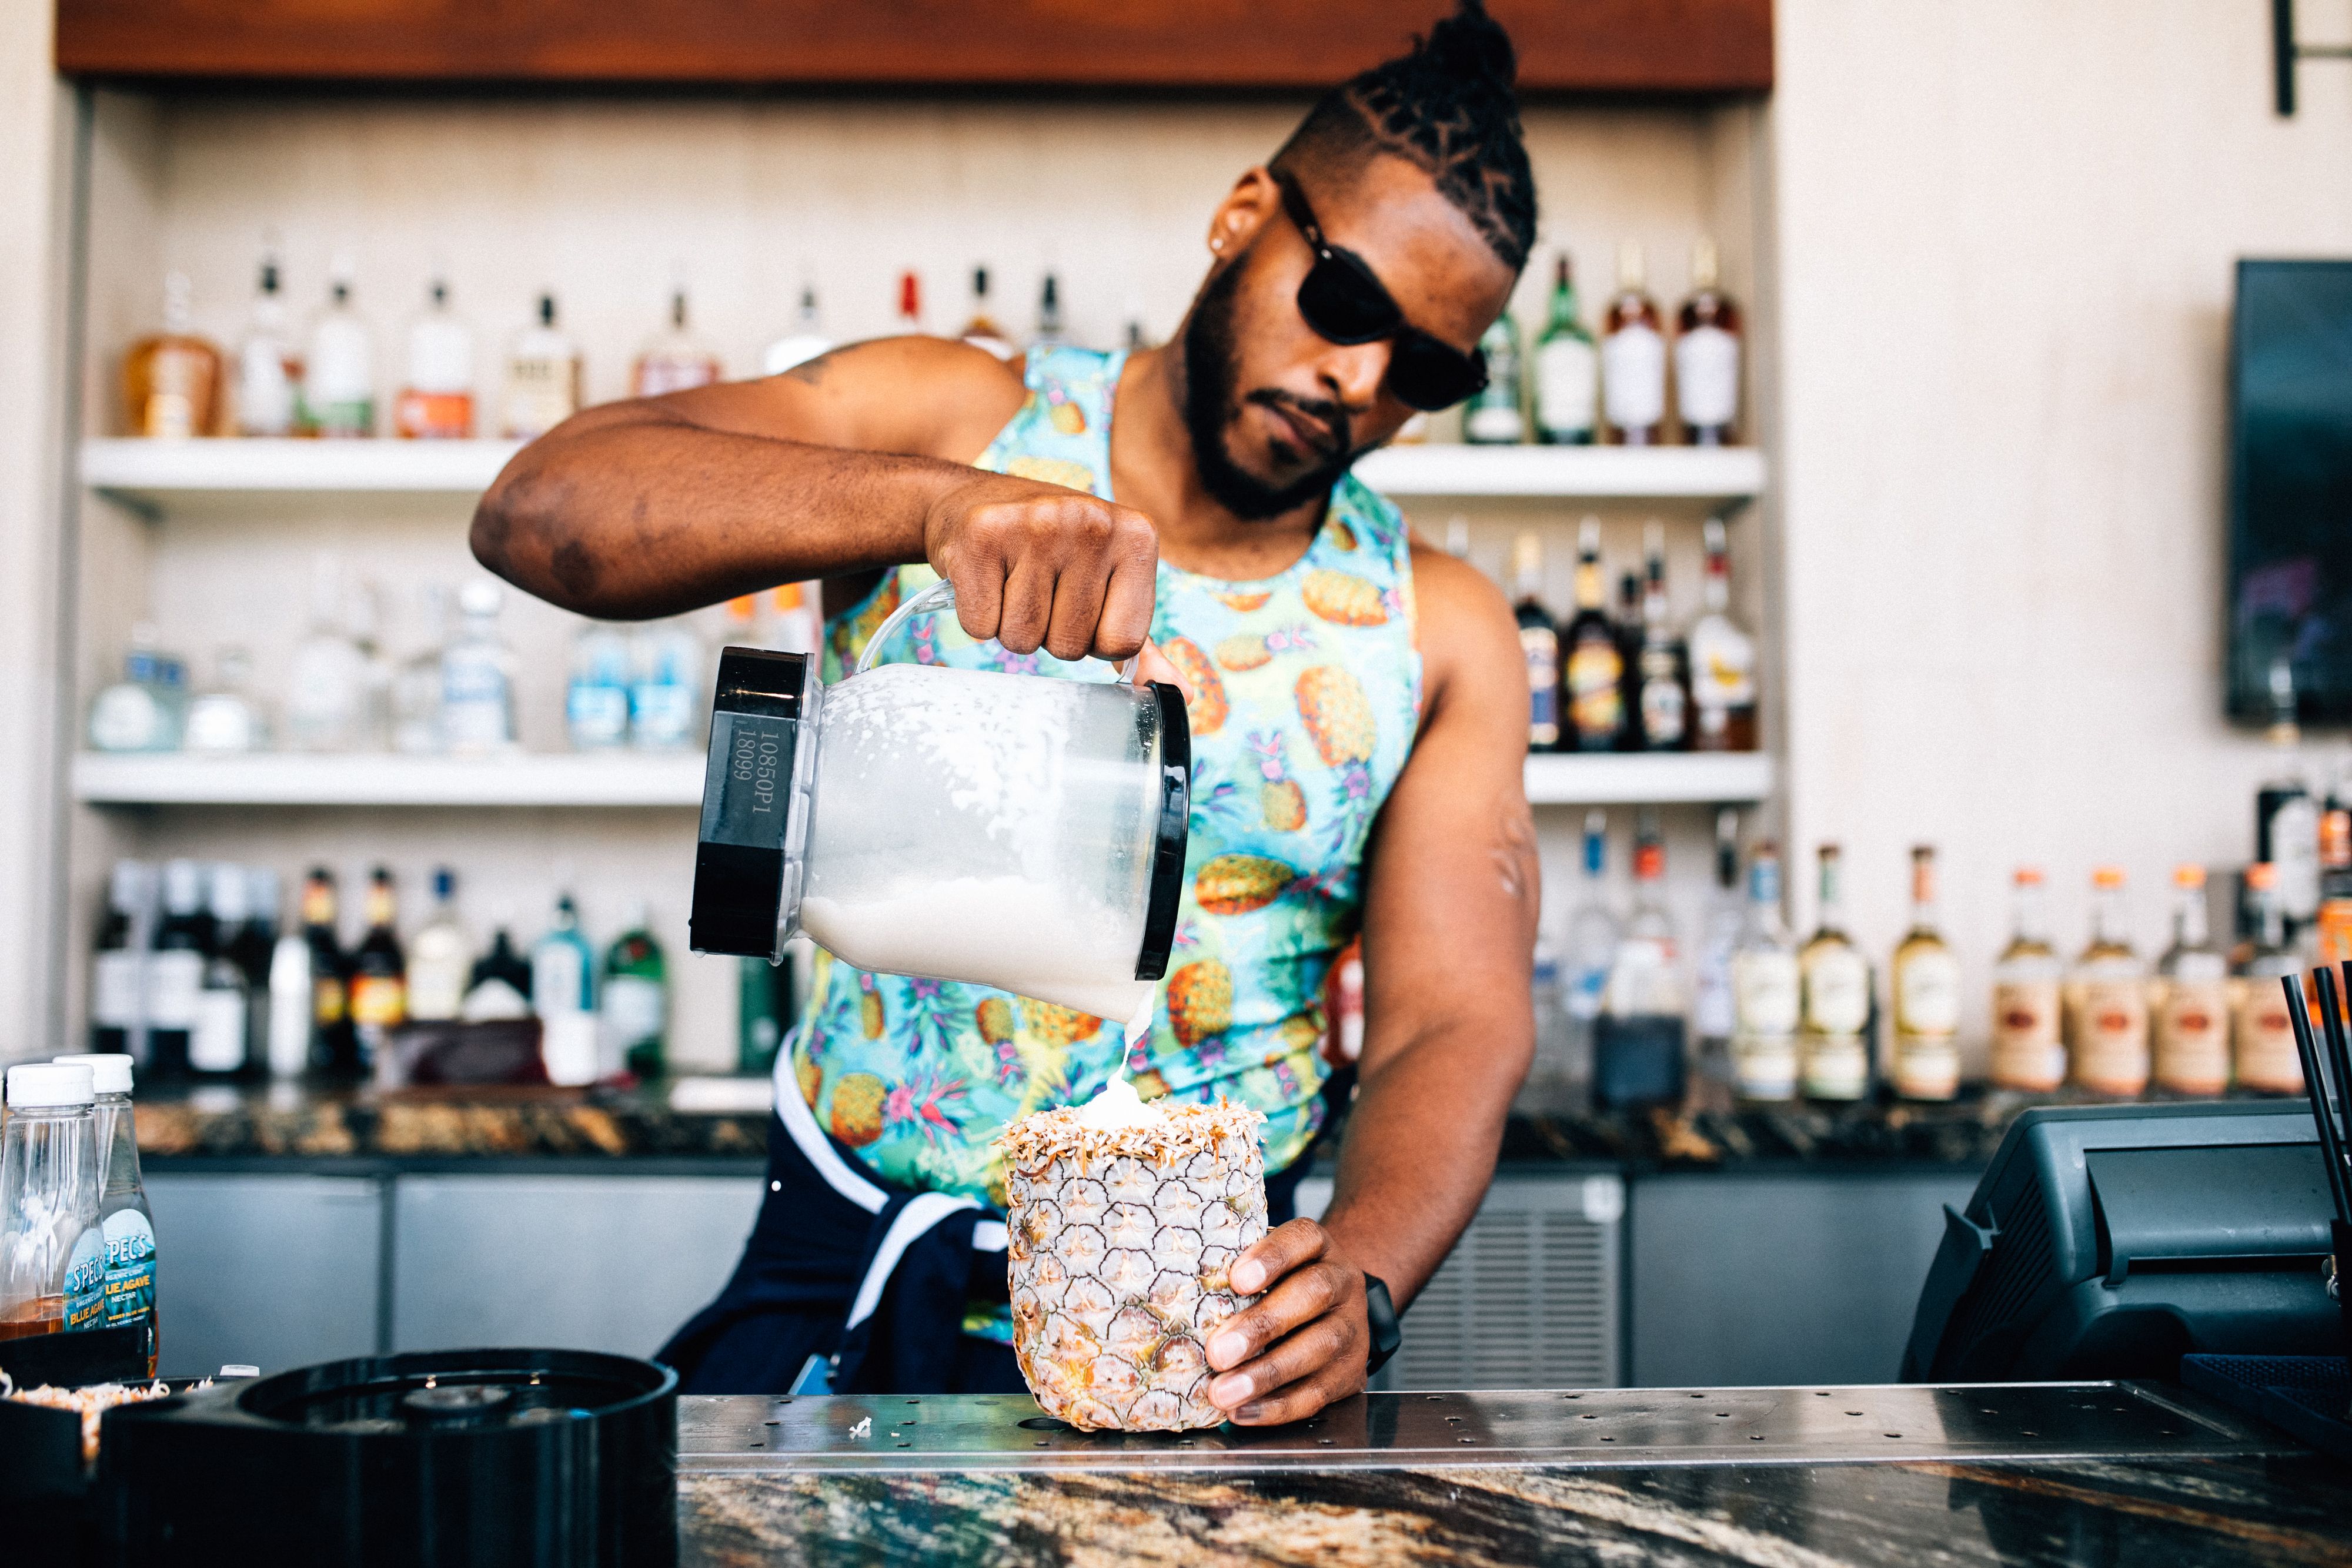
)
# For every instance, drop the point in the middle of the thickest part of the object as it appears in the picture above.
(2189, 1003)
(634, 1023)
(2267, 1061)
(1767, 990)
(339, 370)
(499, 983)
(2332, 941)
(1722, 660)
(1707, 356)
(1592, 931)
(543, 379)
(2028, 1052)
(1833, 1049)
(379, 988)
(225, 717)
(1629, 654)
(218, 1043)
(439, 956)
(52, 1249)
(286, 1047)
(147, 709)
(804, 342)
(478, 705)
(981, 331)
(910, 304)
(416, 684)
(1664, 664)
(1594, 663)
(1714, 1010)
(2286, 814)
(1633, 358)
(1567, 368)
(125, 1223)
(258, 938)
(675, 360)
(1637, 1047)
(1492, 417)
(334, 1042)
(326, 683)
(172, 379)
(176, 969)
(118, 974)
(268, 365)
(664, 686)
(1925, 1057)
(436, 400)
(596, 702)
(363, 617)
(1049, 333)
(2107, 998)
(1538, 641)
(562, 993)
(796, 626)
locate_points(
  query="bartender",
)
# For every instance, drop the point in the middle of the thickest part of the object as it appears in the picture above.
(1358, 715)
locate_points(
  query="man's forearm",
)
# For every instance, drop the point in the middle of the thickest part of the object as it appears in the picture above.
(632, 517)
(1419, 1150)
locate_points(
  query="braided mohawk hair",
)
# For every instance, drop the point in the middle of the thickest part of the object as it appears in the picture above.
(1448, 108)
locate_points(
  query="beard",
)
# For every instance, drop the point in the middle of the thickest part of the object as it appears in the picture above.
(1211, 370)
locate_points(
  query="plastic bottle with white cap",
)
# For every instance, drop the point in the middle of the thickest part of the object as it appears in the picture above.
(123, 1216)
(52, 1252)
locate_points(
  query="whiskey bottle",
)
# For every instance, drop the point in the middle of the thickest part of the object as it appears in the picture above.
(1664, 700)
(2267, 1060)
(1595, 659)
(2028, 1053)
(379, 988)
(1766, 990)
(1567, 368)
(1926, 986)
(334, 1047)
(1834, 1051)
(172, 379)
(1633, 358)
(1722, 660)
(1540, 642)
(2108, 999)
(2190, 1002)
(1707, 356)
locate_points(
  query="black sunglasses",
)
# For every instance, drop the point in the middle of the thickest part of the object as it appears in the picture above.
(1342, 301)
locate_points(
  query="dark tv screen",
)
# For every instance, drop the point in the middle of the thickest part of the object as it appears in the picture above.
(2291, 488)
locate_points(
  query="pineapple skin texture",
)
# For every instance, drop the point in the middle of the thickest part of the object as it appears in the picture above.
(1118, 1267)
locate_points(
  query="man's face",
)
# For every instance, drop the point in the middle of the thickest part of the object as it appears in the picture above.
(1276, 412)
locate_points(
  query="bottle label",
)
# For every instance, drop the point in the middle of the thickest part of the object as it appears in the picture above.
(216, 1042)
(327, 1000)
(2112, 1055)
(130, 1243)
(1765, 993)
(557, 980)
(1926, 1067)
(1836, 1067)
(662, 713)
(378, 1000)
(1493, 424)
(1568, 389)
(1927, 993)
(265, 389)
(1764, 1066)
(2267, 1059)
(2192, 1036)
(1541, 646)
(127, 717)
(1707, 378)
(175, 979)
(116, 981)
(2293, 839)
(340, 416)
(541, 393)
(1665, 715)
(598, 714)
(85, 1288)
(477, 706)
(1633, 377)
(434, 416)
(1723, 666)
(637, 1009)
(2026, 1052)
(1596, 693)
(1837, 992)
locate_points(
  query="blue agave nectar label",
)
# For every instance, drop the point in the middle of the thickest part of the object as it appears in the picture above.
(130, 1267)
(86, 1282)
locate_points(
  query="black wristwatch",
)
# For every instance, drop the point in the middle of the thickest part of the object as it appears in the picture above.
(1387, 1332)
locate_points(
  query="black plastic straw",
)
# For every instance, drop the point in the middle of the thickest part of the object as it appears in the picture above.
(2315, 1082)
(2339, 1055)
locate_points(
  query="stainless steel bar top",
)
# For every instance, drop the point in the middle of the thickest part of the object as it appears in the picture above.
(1588, 1428)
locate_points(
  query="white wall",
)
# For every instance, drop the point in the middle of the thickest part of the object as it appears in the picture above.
(2005, 235)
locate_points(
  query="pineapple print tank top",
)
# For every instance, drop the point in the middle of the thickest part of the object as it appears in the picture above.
(1306, 697)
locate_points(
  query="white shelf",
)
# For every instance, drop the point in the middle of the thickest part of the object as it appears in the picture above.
(560, 778)
(674, 779)
(1711, 474)
(1635, 778)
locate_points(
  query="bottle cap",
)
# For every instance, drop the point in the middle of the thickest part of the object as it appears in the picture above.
(2107, 876)
(2029, 876)
(230, 895)
(49, 1085)
(109, 1071)
(184, 887)
(2261, 876)
(2188, 875)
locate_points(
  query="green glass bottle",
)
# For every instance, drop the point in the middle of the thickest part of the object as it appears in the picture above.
(1492, 417)
(636, 997)
(1567, 368)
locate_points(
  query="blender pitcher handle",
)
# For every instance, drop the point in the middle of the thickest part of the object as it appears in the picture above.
(939, 595)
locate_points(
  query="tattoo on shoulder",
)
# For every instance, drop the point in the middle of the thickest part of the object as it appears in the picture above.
(812, 373)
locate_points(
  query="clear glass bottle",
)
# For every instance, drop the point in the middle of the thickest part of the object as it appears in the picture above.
(1552, 1073)
(269, 364)
(2190, 1002)
(126, 1226)
(1767, 990)
(436, 400)
(2267, 1060)
(1634, 357)
(1567, 368)
(1662, 665)
(118, 976)
(1834, 977)
(1594, 661)
(2029, 1052)
(675, 360)
(634, 1020)
(477, 703)
(287, 1043)
(1925, 1056)
(2107, 998)
(804, 342)
(379, 984)
(1493, 416)
(440, 956)
(1638, 1046)
(1715, 1012)
(218, 1042)
(1722, 659)
(666, 662)
(1538, 641)
(543, 379)
(982, 331)
(327, 681)
(416, 683)
(227, 717)
(172, 379)
(562, 993)
(176, 969)
(147, 709)
(1707, 356)
(596, 702)
(1592, 931)
(52, 1247)
(339, 372)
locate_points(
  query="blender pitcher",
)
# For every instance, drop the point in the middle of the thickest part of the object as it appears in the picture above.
(1020, 832)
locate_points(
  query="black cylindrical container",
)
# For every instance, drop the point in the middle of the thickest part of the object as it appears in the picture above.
(522, 1459)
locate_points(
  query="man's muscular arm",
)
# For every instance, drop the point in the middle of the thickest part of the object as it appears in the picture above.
(854, 462)
(1449, 1026)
